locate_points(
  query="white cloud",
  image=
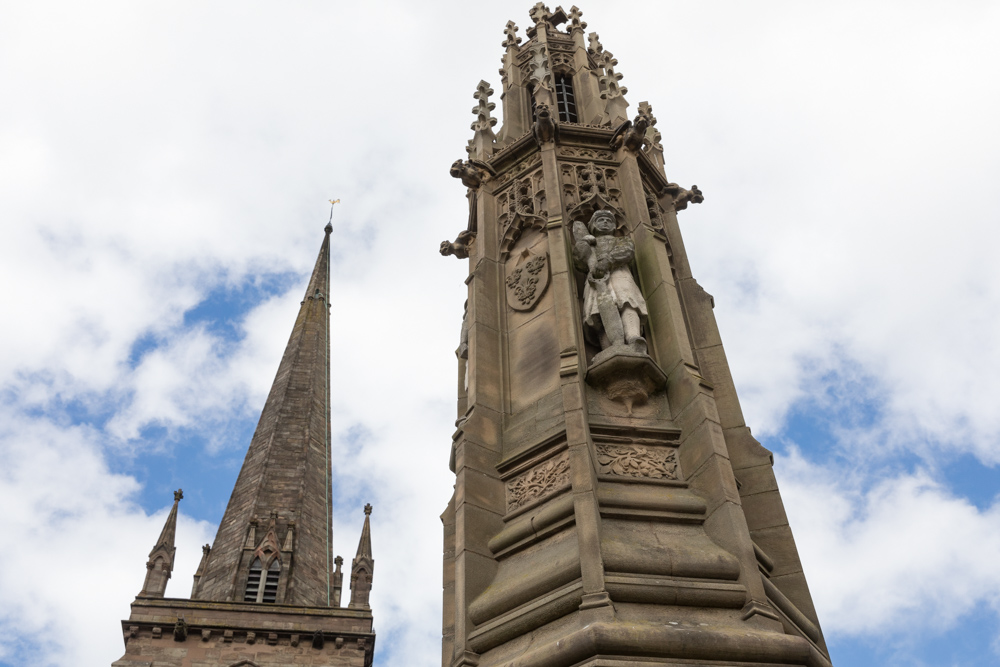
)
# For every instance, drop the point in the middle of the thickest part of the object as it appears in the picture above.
(904, 555)
(76, 544)
(149, 157)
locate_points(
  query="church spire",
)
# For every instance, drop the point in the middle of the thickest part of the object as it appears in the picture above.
(161, 558)
(363, 565)
(279, 511)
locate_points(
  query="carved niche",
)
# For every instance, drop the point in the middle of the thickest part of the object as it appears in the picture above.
(637, 461)
(543, 480)
(521, 206)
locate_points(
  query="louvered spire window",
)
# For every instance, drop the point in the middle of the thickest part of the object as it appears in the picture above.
(268, 592)
(253, 582)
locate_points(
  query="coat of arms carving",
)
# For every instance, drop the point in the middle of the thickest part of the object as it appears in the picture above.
(527, 279)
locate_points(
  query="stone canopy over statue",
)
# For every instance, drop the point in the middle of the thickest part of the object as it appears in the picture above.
(613, 308)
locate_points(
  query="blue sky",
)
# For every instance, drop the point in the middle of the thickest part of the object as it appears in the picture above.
(164, 171)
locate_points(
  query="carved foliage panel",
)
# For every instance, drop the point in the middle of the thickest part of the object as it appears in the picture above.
(637, 461)
(541, 481)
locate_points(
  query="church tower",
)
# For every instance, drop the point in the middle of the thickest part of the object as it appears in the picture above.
(267, 592)
(611, 505)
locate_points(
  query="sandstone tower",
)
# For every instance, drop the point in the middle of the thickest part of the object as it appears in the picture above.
(268, 591)
(611, 506)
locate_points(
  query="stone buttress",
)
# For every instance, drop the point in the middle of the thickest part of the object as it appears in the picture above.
(268, 590)
(610, 503)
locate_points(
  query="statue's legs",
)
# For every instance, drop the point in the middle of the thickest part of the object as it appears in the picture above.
(611, 319)
(631, 325)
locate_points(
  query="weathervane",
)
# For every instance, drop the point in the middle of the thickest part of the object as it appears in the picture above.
(329, 224)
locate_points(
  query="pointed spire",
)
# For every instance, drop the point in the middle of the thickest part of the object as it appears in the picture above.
(365, 543)
(363, 565)
(161, 559)
(285, 481)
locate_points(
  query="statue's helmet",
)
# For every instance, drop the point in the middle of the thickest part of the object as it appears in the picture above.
(598, 215)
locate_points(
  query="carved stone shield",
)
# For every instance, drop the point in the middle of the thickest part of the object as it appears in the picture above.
(527, 280)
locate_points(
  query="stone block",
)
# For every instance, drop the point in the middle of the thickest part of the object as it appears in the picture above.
(744, 450)
(714, 482)
(699, 445)
(700, 407)
(795, 588)
(777, 542)
(757, 479)
(701, 317)
(715, 368)
(764, 510)
(479, 489)
(534, 361)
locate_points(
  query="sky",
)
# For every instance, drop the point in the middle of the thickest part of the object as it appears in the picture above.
(164, 176)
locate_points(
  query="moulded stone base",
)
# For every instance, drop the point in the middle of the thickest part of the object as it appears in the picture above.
(617, 642)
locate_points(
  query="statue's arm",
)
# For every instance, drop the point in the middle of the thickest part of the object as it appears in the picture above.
(623, 251)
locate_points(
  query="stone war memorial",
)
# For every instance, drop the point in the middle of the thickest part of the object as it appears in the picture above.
(611, 506)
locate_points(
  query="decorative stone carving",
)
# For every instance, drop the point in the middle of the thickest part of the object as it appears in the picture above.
(539, 13)
(180, 630)
(318, 639)
(614, 312)
(482, 144)
(636, 461)
(471, 173)
(206, 635)
(683, 197)
(611, 92)
(574, 19)
(588, 188)
(586, 153)
(460, 246)
(527, 279)
(545, 128)
(613, 306)
(654, 209)
(538, 482)
(511, 40)
(539, 73)
(521, 206)
(563, 63)
(630, 134)
(651, 144)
